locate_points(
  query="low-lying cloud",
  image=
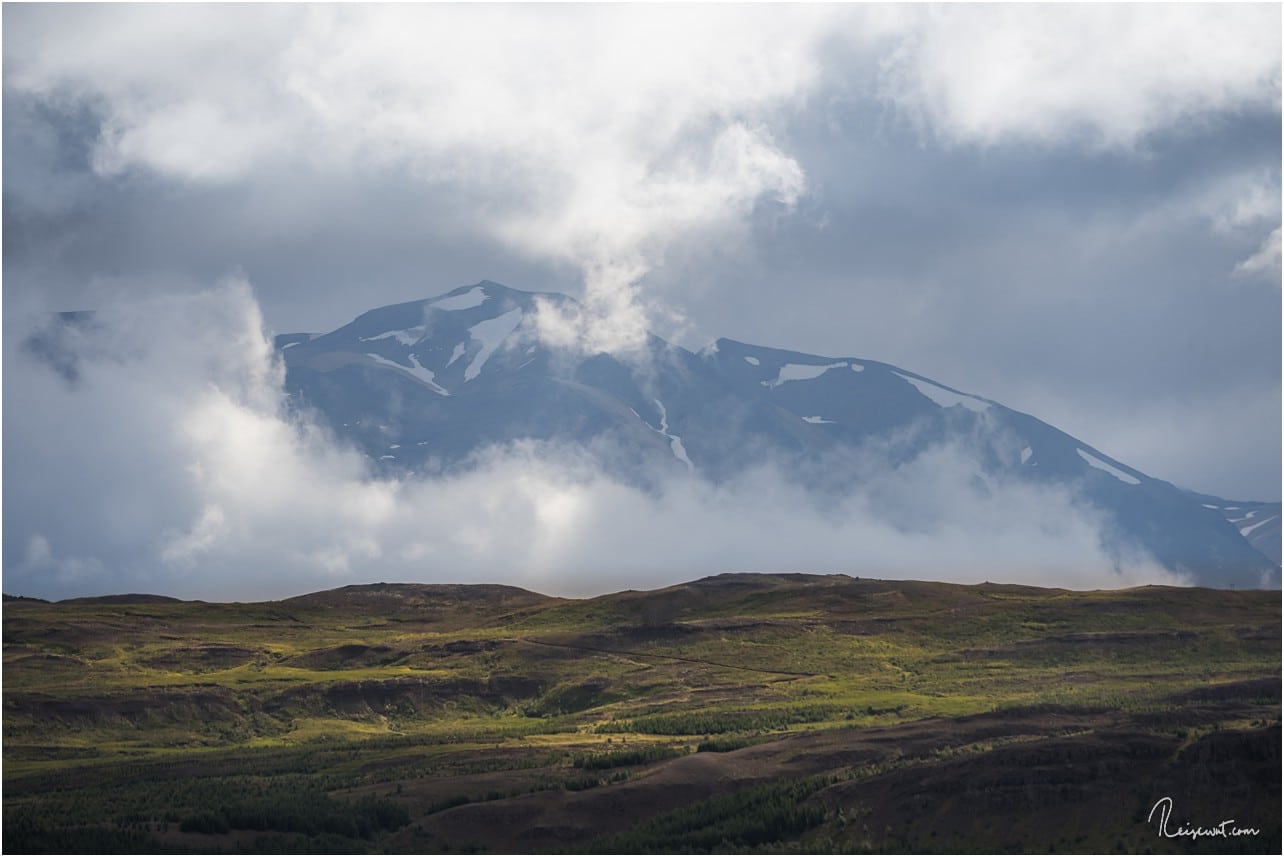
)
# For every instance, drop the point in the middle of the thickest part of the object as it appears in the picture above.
(165, 459)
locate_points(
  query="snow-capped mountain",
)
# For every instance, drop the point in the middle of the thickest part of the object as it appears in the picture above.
(421, 386)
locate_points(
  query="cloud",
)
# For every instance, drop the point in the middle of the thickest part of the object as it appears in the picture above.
(352, 157)
(1266, 261)
(602, 138)
(1240, 207)
(587, 136)
(1105, 76)
(1244, 200)
(171, 463)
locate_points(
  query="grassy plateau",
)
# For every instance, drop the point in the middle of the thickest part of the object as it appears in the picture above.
(738, 713)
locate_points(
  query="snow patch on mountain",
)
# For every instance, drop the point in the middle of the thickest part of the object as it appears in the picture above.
(1245, 523)
(1108, 468)
(946, 398)
(409, 336)
(490, 333)
(800, 372)
(423, 373)
(1244, 531)
(420, 373)
(675, 442)
(752, 361)
(474, 297)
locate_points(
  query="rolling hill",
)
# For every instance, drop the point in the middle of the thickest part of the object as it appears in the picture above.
(836, 714)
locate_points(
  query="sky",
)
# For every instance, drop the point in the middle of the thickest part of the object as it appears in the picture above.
(1072, 210)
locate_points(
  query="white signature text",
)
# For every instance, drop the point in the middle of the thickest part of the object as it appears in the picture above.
(1227, 828)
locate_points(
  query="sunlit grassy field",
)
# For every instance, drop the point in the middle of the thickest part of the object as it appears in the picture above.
(419, 718)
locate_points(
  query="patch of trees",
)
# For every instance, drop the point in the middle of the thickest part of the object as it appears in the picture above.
(623, 758)
(723, 745)
(758, 816)
(310, 815)
(23, 835)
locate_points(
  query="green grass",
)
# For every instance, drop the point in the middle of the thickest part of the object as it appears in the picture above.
(376, 689)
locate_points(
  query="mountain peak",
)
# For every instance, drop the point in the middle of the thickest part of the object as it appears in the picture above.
(499, 291)
(438, 344)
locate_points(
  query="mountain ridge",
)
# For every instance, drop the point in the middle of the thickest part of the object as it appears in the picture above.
(425, 384)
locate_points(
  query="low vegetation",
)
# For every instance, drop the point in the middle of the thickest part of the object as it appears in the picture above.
(735, 713)
(752, 817)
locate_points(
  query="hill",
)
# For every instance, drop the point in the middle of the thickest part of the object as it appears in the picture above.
(834, 713)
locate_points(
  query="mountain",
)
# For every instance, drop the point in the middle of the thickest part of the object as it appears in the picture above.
(421, 386)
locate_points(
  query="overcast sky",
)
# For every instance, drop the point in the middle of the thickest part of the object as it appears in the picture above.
(1073, 210)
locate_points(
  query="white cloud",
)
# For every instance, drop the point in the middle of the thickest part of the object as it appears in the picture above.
(1242, 207)
(1266, 261)
(597, 136)
(1245, 201)
(172, 464)
(601, 136)
(589, 136)
(208, 530)
(1102, 75)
